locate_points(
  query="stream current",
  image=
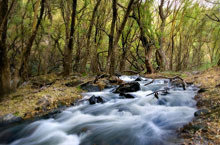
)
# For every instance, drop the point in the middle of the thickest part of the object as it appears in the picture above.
(144, 120)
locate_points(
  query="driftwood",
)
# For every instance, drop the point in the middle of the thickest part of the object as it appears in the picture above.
(149, 82)
(156, 93)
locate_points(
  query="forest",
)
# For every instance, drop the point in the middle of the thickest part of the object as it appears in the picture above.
(93, 38)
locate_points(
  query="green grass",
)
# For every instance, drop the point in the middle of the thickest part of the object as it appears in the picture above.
(205, 67)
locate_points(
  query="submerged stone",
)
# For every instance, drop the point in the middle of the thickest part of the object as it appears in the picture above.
(129, 96)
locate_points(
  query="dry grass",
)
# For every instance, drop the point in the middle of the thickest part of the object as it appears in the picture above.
(25, 101)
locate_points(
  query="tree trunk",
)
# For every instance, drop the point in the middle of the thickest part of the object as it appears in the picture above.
(163, 63)
(76, 66)
(123, 61)
(172, 53)
(5, 76)
(97, 40)
(120, 30)
(111, 50)
(68, 56)
(147, 46)
(219, 62)
(26, 53)
(148, 55)
(88, 47)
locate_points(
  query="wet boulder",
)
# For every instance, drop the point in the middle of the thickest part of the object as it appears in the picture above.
(94, 100)
(128, 96)
(128, 87)
(138, 79)
(202, 90)
(201, 112)
(90, 87)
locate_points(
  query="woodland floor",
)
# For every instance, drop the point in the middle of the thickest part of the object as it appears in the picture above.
(44, 93)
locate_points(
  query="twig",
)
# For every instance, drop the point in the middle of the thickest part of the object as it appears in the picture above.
(104, 31)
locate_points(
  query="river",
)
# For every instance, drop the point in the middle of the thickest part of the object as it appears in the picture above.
(144, 120)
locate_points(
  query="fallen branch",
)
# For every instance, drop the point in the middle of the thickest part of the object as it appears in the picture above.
(176, 77)
(156, 93)
(149, 82)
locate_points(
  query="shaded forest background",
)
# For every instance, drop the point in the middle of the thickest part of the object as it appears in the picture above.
(38, 37)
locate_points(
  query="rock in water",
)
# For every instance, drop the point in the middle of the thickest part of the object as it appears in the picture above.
(138, 79)
(128, 87)
(94, 100)
(201, 112)
(202, 90)
(129, 96)
(99, 99)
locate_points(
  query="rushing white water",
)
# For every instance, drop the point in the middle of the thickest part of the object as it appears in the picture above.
(143, 120)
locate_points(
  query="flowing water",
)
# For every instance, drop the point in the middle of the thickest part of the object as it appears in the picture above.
(143, 120)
